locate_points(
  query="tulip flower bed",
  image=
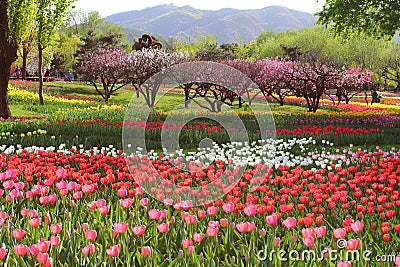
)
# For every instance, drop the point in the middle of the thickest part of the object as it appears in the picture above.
(83, 208)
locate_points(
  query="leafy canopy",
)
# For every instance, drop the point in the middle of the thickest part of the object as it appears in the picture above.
(380, 18)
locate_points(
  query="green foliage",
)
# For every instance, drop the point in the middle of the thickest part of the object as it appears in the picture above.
(20, 14)
(50, 15)
(374, 17)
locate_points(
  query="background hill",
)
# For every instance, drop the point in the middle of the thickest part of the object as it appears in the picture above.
(231, 25)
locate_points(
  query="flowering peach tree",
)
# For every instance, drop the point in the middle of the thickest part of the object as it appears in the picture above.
(108, 66)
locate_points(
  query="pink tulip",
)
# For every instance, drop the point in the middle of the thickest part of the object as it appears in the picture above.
(91, 235)
(343, 264)
(113, 251)
(308, 232)
(191, 219)
(272, 219)
(42, 257)
(277, 241)
(33, 250)
(290, 222)
(33, 213)
(20, 249)
(56, 228)
(243, 227)
(104, 209)
(139, 230)
(357, 226)
(120, 228)
(85, 226)
(163, 214)
(212, 210)
(198, 237)
(186, 243)
(43, 245)
(163, 227)
(144, 201)
(145, 251)
(190, 250)
(54, 240)
(126, 203)
(308, 241)
(122, 192)
(201, 214)
(228, 207)
(320, 231)
(3, 253)
(212, 231)
(88, 249)
(35, 222)
(154, 214)
(18, 234)
(397, 261)
(250, 210)
(101, 202)
(92, 205)
(339, 233)
(24, 212)
(223, 222)
(213, 223)
(353, 244)
(88, 188)
(77, 195)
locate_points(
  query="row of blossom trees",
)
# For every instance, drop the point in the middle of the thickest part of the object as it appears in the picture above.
(310, 77)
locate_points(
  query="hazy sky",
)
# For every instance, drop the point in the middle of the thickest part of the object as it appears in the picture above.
(109, 7)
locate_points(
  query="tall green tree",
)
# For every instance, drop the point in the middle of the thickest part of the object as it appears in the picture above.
(49, 17)
(15, 17)
(375, 17)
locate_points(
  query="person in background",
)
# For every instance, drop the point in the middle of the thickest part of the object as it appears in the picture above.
(47, 75)
(69, 76)
(18, 72)
(375, 97)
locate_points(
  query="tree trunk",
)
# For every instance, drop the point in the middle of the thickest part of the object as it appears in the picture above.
(25, 53)
(8, 54)
(40, 50)
(5, 112)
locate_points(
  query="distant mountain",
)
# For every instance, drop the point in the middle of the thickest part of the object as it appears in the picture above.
(231, 25)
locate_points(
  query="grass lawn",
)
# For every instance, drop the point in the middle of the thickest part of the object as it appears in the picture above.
(125, 95)
(21, 111)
